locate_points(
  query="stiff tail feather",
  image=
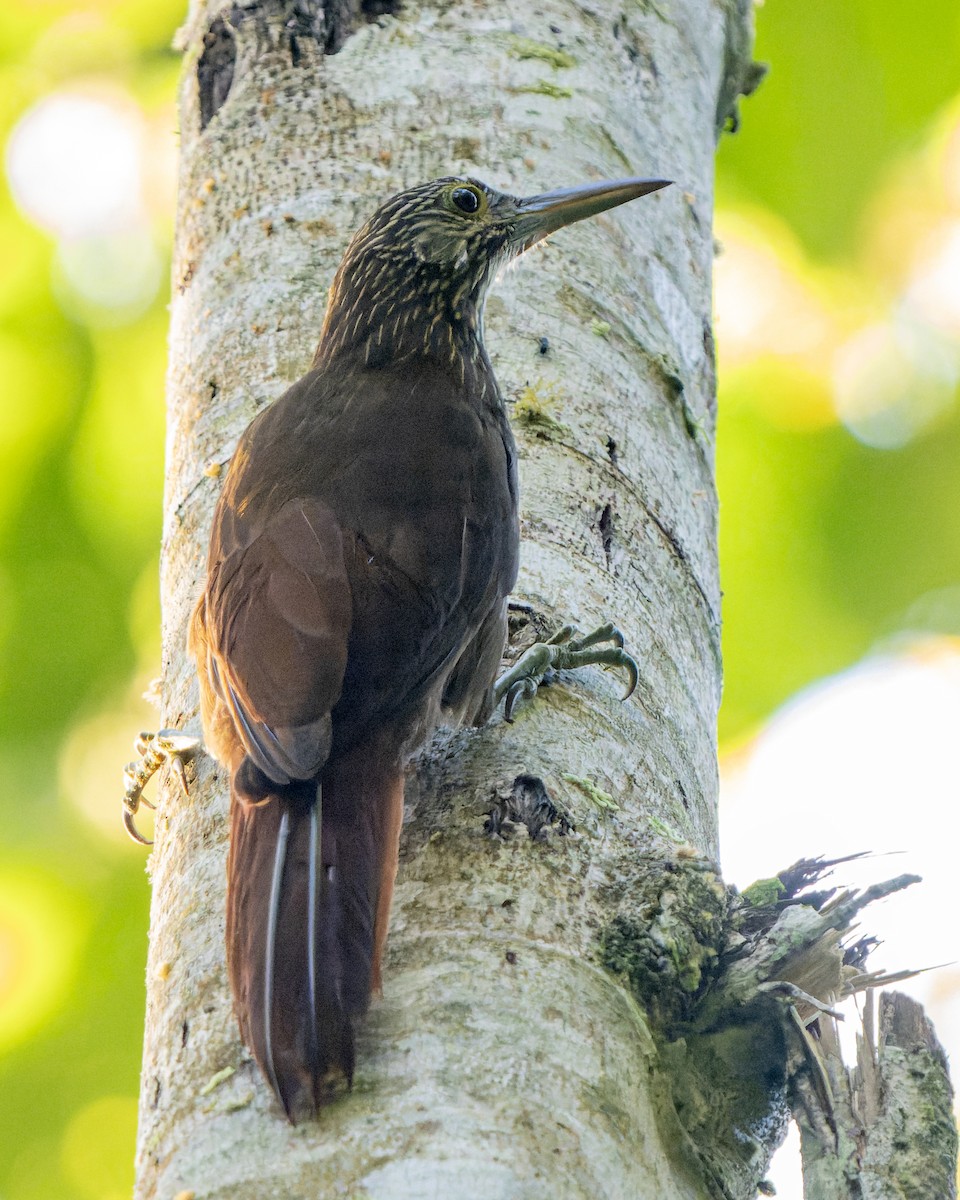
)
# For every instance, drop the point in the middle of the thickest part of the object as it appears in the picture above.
(270, 951)
(310, 875)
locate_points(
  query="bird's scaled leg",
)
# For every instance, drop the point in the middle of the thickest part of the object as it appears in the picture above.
(563, 652)
(168, 746)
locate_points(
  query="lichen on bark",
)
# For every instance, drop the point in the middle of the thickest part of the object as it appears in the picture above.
(739, 991)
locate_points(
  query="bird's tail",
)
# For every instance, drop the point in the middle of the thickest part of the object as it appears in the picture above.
(310, 876)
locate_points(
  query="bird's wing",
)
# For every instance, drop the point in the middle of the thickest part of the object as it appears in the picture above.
(412, 486)
(278, 613)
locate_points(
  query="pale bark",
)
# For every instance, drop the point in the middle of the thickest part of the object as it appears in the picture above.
(503, 1060)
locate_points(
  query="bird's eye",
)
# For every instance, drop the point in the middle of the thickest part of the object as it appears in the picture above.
(466, 199)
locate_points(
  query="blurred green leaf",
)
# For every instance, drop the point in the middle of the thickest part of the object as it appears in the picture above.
(851, 86)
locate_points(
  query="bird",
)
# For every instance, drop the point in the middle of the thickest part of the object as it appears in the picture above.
(362, 553)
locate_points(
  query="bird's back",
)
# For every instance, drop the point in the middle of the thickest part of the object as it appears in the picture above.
(419, 474)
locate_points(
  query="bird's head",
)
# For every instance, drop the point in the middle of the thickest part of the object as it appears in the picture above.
(415, 275)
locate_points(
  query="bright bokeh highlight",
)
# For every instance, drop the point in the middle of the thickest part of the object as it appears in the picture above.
(77, 163)
(74, 162)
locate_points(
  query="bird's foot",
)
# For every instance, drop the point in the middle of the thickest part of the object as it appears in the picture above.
(167, 746)
(563, 652)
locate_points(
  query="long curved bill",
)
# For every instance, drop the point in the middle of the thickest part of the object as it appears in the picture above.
(539, 216)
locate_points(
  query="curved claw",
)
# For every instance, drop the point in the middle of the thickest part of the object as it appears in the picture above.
(130, 826)
(617, 657)
(176, 764)
(523, 687)
(629, 664)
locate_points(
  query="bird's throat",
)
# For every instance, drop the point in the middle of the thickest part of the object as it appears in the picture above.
(393, 333)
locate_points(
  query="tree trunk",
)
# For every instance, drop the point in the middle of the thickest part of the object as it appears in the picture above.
(508, 1056)
(889, 1131)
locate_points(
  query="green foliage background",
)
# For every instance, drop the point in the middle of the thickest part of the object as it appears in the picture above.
(828, 544)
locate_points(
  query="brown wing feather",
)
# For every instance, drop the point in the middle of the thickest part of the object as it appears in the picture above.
(278, 620)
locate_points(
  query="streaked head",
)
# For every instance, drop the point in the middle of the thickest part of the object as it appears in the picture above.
(430, 252)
